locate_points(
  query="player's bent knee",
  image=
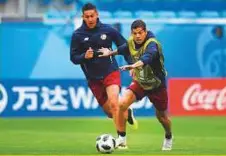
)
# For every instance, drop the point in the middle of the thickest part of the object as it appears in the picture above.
(114, 107)
(122, 107)
(162, 119)
(123, 104)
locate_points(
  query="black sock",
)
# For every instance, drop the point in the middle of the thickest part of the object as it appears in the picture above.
(168, 136)
(130, 120)
(122, 134)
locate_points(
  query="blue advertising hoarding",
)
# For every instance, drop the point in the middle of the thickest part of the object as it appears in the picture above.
(22, 98)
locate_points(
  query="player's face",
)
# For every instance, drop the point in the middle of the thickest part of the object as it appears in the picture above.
(90, 18)
(139, 35)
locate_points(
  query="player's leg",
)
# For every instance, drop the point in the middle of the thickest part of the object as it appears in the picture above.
(107, 109)
(166, 124)
(128, 115)
(134, 92)
(112, 101)
(125, 101)
(160, 100)
(99, 91)
(114, 79)
(113, 83)
(130, 118)
(107, 98)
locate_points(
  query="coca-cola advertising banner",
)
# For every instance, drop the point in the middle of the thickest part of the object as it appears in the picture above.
(197, 97)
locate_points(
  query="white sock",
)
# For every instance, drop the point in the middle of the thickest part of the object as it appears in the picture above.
(122, 138)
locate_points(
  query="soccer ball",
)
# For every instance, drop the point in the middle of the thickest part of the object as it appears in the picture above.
(105, 143)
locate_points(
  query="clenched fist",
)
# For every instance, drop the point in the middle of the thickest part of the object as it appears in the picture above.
(89, 53)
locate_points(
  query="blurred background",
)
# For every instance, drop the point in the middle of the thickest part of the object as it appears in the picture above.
(37, 78)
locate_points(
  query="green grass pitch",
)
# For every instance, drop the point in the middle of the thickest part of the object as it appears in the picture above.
(76, 136)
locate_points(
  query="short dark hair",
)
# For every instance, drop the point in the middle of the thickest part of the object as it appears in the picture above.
(138, 24)
(88, 6)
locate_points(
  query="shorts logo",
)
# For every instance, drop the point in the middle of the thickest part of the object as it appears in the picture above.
(3, 98)
(86, 39)
(103, 36)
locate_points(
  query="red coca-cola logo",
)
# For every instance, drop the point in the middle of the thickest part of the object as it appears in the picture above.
(196, 97)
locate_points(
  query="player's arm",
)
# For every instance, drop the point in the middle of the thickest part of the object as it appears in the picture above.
(150, 52)
(117, 38)
(147, 57)
(132, 66)
(122, 50)
(75, 54)
(122, 45)
(105, 52)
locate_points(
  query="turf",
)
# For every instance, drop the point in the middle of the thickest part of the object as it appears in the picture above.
(76, 136)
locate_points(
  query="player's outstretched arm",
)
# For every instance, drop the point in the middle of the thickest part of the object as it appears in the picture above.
(132, 66)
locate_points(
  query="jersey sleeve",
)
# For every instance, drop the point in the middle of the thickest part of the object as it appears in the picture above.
(149, 53)
(124, 50)
(76, 56)
(118, 39)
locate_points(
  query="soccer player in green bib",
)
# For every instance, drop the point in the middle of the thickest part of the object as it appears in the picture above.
(146, 67)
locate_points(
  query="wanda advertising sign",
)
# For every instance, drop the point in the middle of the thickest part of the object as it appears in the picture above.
(197, 97)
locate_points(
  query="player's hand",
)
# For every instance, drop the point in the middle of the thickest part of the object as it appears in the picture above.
(105, 52)
(89, 53)
(126, 67)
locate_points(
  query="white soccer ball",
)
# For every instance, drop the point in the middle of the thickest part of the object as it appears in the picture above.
(105, 143)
